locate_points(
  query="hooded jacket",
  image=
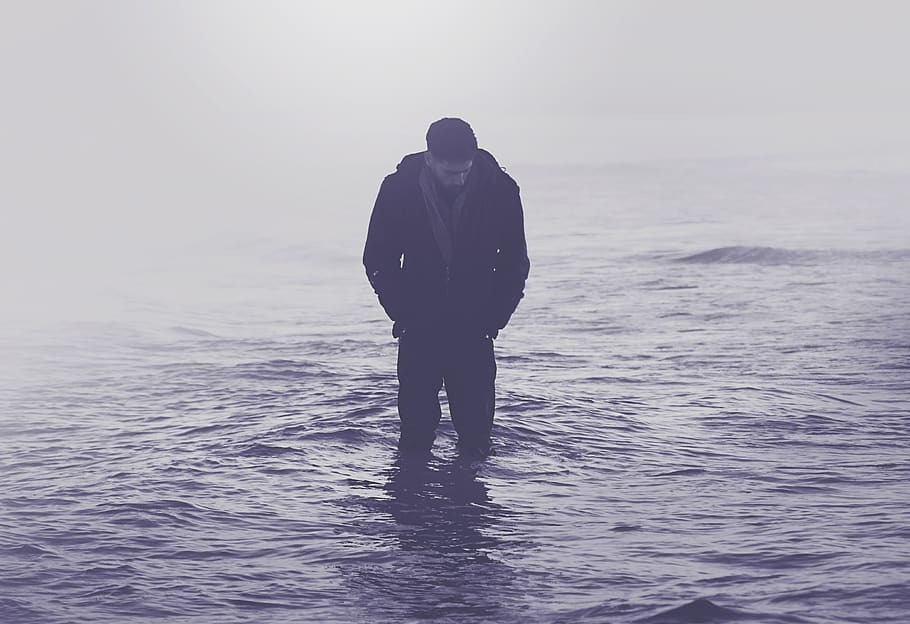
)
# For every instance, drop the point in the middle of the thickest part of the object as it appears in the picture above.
(477, 292)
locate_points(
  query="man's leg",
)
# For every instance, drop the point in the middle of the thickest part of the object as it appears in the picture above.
(470, 376)
(419, 381)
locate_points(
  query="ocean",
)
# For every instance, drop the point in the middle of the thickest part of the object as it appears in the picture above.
(703, 409)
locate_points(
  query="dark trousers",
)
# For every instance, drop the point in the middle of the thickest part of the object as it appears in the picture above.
(465, 364)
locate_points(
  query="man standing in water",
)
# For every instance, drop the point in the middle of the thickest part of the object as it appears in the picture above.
(446, 254)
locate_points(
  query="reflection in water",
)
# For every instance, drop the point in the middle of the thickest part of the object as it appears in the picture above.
(442, 511)
(445, 548)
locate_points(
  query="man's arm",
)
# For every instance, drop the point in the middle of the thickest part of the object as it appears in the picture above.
(512, 263)
(383, 250)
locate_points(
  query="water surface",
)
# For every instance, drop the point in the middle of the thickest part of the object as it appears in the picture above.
(702, 413)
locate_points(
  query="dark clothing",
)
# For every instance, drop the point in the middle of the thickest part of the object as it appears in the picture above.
(478, 292)
(449, 272)
(468, 369)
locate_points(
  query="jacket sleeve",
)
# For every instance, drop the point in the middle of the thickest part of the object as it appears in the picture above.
(512, 263)
(383, 251)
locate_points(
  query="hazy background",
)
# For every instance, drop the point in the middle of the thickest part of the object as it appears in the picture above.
(132, 130)
(705, 393)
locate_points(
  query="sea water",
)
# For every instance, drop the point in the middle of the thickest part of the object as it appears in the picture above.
(702, 414)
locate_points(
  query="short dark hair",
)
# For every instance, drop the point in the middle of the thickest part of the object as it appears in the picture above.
(451, 138)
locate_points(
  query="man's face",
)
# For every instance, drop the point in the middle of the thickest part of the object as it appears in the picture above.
(449, 173)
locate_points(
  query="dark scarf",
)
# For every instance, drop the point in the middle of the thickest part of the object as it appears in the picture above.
(437, 210)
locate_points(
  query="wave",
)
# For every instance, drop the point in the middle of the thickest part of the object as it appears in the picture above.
(699, 610)
(703, 610)
(738, 254)
(192, 332)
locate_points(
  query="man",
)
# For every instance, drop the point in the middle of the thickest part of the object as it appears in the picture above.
(446, 254)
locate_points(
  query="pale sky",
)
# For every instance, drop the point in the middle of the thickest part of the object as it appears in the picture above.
(129, 121)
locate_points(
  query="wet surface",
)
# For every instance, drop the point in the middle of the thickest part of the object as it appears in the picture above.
(702, 416)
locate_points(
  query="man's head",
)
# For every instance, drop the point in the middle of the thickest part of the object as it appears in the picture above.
(451, 146)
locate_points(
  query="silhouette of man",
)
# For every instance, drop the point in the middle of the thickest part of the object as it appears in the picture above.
(446, 254)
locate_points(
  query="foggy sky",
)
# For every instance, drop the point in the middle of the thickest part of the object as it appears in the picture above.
(124, 123)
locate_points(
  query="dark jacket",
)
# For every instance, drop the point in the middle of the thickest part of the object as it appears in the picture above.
(478, 293)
